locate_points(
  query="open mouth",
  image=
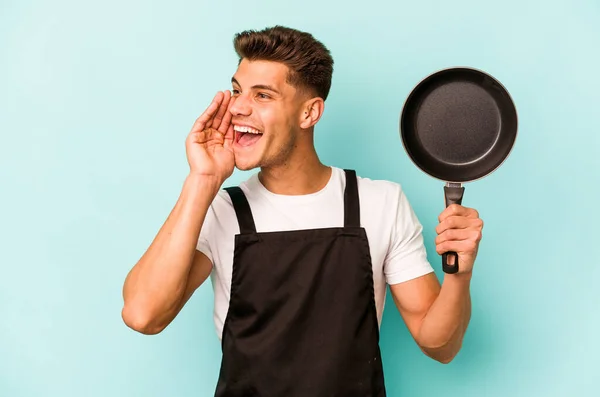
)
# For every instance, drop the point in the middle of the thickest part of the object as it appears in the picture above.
(246, 136)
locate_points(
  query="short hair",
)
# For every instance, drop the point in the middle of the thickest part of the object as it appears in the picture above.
(309, 61)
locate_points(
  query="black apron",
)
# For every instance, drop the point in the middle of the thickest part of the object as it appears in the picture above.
(302, 320)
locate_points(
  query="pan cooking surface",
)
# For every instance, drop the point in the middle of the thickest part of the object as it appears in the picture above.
(458, 122)
(458, 125)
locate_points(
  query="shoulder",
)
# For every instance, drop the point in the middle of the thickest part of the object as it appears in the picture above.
(222, 201)
(222, 204)
(379, 189)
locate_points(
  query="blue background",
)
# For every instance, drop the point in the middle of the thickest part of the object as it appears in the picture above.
(96, 99)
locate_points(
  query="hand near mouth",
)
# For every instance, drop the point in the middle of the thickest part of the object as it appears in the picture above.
(209, 145)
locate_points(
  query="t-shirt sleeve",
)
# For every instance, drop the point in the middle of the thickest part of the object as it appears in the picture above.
(204, 240)
(407, 257)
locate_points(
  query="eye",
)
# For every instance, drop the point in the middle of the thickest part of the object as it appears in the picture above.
(235, 92)
(262, 95)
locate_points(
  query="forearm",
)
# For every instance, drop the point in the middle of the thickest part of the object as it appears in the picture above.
(445, 324)
(156, 284)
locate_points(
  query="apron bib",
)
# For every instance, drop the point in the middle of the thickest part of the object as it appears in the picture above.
(302, 320)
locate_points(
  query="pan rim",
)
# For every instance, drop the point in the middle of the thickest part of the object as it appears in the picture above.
(449, 69)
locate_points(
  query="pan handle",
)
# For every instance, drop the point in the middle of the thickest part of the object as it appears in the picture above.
(453, 194)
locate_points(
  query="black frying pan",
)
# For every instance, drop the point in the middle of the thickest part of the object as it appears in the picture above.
(458, 125)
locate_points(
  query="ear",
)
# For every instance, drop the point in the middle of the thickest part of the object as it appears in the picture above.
(312, 110)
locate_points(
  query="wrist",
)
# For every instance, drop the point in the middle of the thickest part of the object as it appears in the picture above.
(211, 183)
(459, 278)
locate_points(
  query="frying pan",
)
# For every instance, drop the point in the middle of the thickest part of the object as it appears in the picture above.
(458, 125)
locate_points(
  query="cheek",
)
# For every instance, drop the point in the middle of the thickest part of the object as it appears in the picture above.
(271, 118)
(277, 116)
(278, 122)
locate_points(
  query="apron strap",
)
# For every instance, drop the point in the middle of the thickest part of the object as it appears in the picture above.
(351, 202)
(242, 210)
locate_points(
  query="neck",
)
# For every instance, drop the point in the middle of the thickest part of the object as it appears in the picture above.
(301, 173)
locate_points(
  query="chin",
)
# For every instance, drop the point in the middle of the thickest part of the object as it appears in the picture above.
(245, 165)
(248, 158)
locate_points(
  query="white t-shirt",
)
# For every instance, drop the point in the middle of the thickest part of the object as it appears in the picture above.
(393, 230)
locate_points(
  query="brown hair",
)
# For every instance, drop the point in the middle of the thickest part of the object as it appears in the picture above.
(309, 61)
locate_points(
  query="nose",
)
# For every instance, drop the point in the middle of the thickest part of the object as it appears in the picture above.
(241, 106)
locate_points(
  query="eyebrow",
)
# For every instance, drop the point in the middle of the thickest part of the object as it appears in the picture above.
(258, 86)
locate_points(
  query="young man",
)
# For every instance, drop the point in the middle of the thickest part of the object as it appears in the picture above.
(299, 254)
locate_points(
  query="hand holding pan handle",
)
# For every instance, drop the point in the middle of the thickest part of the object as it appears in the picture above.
(453, 194)
(458, 124)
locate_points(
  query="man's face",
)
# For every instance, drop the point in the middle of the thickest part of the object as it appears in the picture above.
(266, 114)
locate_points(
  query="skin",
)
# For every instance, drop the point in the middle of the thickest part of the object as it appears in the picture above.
(171, 269)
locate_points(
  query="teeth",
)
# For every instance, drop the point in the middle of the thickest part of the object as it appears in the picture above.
(241, 128)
